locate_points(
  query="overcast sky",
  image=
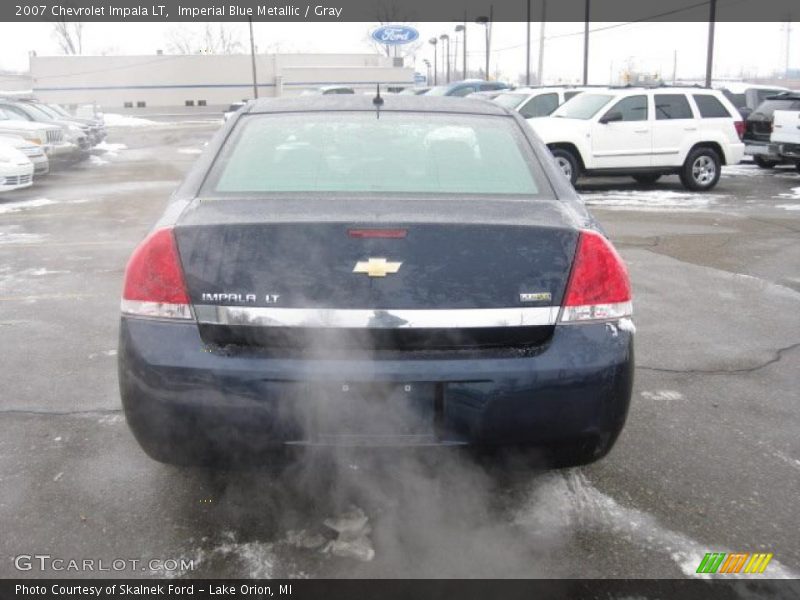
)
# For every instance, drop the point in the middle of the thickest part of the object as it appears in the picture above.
(649, 47)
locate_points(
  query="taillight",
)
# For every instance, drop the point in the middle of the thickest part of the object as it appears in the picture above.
(739, 128)
(154, 284)
(599, 287)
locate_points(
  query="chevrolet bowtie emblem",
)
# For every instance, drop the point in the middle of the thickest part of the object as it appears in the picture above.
(376, 267)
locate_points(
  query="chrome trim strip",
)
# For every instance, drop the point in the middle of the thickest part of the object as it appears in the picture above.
(376, 318)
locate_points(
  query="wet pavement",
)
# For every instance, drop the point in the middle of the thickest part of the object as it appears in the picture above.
(709, 460)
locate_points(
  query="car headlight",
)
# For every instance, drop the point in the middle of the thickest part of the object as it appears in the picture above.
(36, 141)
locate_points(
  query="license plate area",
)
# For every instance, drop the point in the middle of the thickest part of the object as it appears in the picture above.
(369, 413)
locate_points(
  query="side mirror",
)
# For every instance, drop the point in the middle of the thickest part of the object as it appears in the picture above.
(611, 117)
(745, 112)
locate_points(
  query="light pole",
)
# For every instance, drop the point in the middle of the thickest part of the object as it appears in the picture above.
(528, 47)
(712, 19)
(433, 41)
(253, 60)
(428, 74)
(485, 21)
(586, 45)
(446, 38)
(463, 29)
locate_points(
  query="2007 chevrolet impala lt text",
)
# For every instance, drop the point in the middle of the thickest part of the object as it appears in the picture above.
(368, 272)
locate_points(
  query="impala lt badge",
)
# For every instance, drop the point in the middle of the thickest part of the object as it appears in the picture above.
(376, 267)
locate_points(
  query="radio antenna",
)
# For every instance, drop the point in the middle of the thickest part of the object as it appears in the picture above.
(378, 102)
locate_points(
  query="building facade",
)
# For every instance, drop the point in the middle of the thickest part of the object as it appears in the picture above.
(130, 82)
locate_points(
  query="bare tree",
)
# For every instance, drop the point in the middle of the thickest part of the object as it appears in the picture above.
(69, 35)
(219, 39)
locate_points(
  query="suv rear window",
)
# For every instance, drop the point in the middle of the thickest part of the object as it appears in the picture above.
(768, 107)
(425, 153)
(710, 107)
(672, 106)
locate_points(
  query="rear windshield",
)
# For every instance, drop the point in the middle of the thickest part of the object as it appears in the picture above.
(356, 152)
(583, 106)
(768, 107)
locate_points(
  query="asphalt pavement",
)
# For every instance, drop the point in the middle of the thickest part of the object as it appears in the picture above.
(709, 460)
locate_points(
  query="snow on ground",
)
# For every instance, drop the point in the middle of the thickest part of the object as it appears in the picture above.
(794, 194)
(115, 120)
(742, 170)
(110, 149)
(96, 160)
(657, 200)
(13, 207)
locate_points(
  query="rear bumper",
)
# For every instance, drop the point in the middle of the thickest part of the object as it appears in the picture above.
(765, 150)
(734, 153)
(182, 398)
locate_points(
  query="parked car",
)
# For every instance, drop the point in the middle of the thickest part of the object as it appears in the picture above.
(16, 171)
(327, 90)
(337, 284)
(414, 91)
(49, 136)
(536, 102)
(786, 135)
(486, 95)
(97, 127)
(758, 128)
(34, 151)
(645, 133)
(76, 136)
(747, 96)
(466, 87)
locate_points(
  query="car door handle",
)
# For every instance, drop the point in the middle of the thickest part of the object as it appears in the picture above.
(641, 130)
(690, 128)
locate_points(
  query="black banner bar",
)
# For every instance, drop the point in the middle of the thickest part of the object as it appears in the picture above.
(416, 589)
(393, 10)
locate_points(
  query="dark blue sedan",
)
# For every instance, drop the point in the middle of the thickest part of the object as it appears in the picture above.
(342, 271)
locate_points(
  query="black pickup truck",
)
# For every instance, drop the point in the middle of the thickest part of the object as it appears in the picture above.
(758, 128)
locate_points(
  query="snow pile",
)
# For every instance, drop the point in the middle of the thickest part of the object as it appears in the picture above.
(353, 539)
(114, 120)
(658, 200)
(351, 529)
(96, 160)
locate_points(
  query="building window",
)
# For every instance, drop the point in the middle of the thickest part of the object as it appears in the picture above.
(141, 104)
(128, 105)
(189, 102)
(201, 103)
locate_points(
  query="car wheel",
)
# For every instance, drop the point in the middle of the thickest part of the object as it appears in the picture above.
(567, 162)
(701, 170)
(647, 178)
(764, 163)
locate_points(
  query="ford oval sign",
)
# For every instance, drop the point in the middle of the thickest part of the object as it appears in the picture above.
(395, 35)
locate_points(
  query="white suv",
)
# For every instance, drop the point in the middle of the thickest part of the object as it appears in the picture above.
(645, 133)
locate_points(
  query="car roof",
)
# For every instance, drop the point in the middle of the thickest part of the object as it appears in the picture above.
(739, 87)
(391, 103)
